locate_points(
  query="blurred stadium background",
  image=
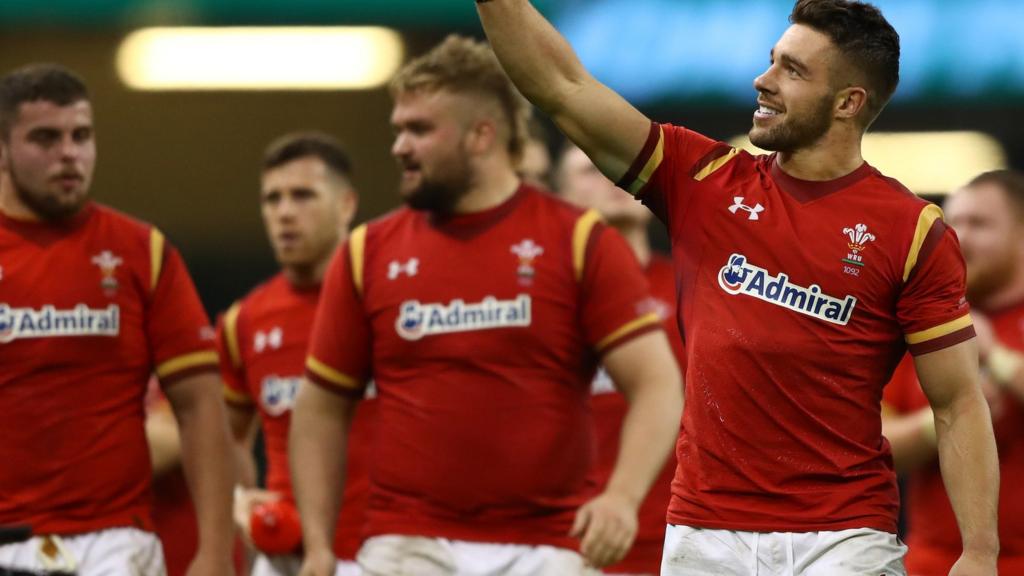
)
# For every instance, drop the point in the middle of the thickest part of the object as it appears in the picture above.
(188, 92)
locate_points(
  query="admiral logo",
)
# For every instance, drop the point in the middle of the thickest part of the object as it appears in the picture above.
(741, 277)
(416, 320)
(277, 394)
(21, 323)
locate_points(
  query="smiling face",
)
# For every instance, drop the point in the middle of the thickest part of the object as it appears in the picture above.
(796, 93)
(305, 209)
(49, 156)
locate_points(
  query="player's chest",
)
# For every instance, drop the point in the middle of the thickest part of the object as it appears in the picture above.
(62, 275)
(514, 282)
(273, 352)
(766, 239)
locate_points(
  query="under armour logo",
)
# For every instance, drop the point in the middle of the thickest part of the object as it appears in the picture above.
(752, 212)
(272, 339)
(410, 268)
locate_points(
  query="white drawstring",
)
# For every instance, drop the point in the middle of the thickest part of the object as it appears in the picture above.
(789, 554)
(753, 554)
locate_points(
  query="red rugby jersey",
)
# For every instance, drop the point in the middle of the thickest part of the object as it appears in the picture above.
(89, 308)
(609, 411)
(933, 536)
(797, 301)
(262, 342)
(482, 333)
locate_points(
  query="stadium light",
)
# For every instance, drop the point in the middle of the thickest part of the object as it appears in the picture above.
(259, 58)
(925, 162)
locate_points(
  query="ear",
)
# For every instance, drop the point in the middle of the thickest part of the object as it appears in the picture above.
(850, 101)
(348, 203)
(481, 137)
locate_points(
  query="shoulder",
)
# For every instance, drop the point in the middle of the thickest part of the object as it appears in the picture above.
(121, 224)
(264, 292)
(389, 223)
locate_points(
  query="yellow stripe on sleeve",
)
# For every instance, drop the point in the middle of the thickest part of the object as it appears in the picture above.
(928, 216)
(330, 374)
(631, 326)
(231, 334)
(156, 257)
(186, 362)
(580, 237)
(715, 165)
(939, 331)
(652, 165)
(357, 253)
(235, 397)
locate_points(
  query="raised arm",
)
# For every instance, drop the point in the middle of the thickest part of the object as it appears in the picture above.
(546, 70)
(967, 451)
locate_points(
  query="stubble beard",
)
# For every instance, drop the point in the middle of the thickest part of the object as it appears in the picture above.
(45, 205)
(794, 134)
(440, 195)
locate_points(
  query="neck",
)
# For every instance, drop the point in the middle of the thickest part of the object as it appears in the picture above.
(835, 155)
(636, 236)
(1009, 294)
(307, 275)
(494, 183)
(12, 206)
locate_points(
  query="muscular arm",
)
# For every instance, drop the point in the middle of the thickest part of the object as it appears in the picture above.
(317, 446)
(207, 456)
(646, 372)
(967, 450)
(546, 70)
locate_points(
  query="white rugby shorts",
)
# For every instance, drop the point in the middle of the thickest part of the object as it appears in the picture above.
(393, 555)
(120, 551)
(704, 552)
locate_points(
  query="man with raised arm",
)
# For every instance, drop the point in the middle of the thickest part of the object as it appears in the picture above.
(804, 275)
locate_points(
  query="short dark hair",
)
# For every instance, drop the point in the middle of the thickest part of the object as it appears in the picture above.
(37, 82)
(305, 144)
(864, 37)
(1010, 181)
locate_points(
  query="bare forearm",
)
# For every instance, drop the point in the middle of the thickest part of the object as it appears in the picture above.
(536, 57)
(970, 470)
(317, 447)
(648, 435)
(209, 467)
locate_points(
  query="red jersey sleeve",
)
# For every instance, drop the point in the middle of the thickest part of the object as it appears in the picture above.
(672, 159)
(932, 307)
(232, 370)
(181, 341)
(340, 344)
(615, 293)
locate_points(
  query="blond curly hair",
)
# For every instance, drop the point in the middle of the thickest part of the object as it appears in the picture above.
(465, 66)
